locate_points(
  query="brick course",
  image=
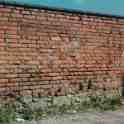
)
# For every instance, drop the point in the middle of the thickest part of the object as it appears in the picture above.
(44, 52)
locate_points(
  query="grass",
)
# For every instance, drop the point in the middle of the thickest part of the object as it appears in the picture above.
(21, 110)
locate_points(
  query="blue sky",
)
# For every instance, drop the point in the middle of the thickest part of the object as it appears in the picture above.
(114, 7)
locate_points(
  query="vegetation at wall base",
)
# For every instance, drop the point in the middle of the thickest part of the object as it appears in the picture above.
(22, 110)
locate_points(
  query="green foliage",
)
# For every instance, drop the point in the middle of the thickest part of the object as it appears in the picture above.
(21, 109)
(104, 102)
(38, 113)
(7, 113)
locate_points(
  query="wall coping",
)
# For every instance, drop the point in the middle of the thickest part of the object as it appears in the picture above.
(73, 11)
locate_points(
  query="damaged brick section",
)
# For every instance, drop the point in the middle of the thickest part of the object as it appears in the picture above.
(44, 52)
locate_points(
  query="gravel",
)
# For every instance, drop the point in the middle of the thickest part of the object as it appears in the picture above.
(110, 117)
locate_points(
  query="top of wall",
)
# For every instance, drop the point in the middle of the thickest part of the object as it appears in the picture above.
(111, 8)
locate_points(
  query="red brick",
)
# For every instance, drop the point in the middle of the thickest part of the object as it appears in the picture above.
(38, 52)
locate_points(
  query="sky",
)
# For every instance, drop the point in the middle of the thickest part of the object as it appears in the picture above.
(112, 7)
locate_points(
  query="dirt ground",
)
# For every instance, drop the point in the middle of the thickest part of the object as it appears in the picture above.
(111, 117)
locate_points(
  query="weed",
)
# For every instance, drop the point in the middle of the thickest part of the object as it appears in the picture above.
(7, 114)
(21, 109)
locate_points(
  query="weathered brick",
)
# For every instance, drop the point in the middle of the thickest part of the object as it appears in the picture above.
(51, 53)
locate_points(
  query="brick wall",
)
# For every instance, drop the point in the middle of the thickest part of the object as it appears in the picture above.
(44, 52)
